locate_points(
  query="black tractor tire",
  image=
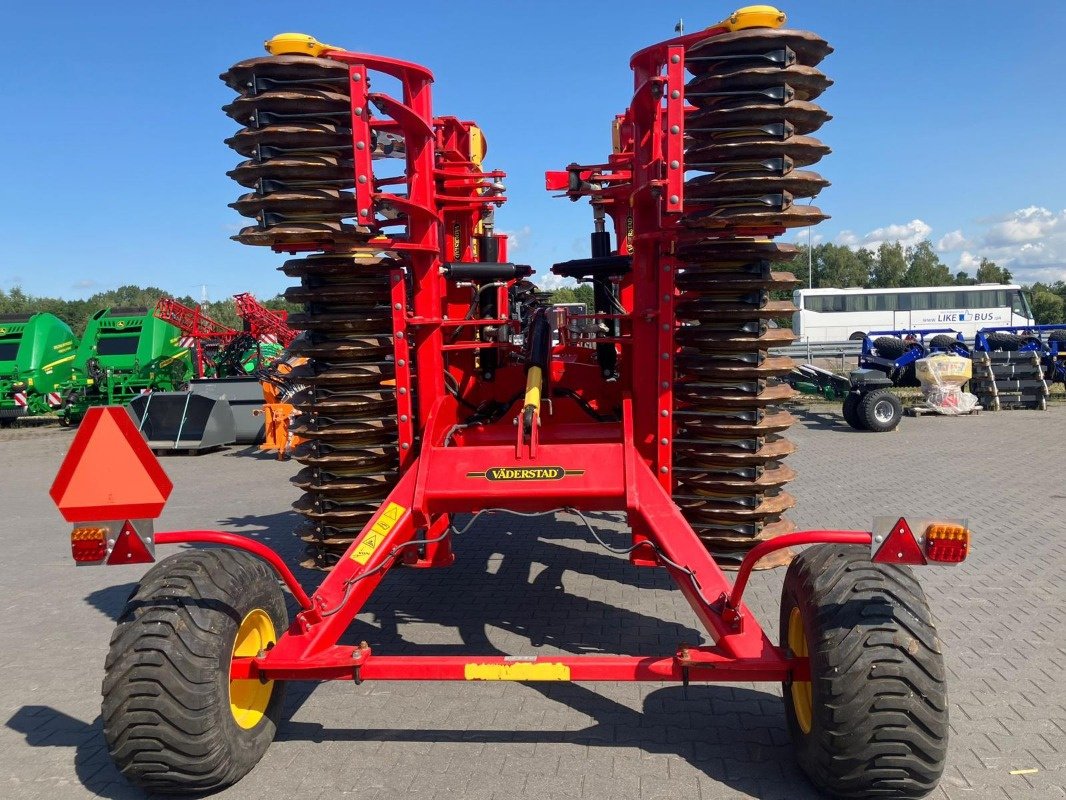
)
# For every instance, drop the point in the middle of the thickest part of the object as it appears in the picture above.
(166, 709)
(1058, 336)
(943, 341)
(1006, 342)
(873, 720)
(890, 347)
(850, 409)
(880, 411)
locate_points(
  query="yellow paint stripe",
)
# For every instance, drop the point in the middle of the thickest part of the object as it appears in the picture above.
(60, 361)
(381, 528)
(518, 671)
(176, 357)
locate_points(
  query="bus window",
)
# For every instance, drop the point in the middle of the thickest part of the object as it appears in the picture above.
(826, 302)
(945, 300)
(1019, 304)
(923, 301)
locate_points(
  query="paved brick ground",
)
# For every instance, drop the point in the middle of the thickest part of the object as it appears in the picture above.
(525, 586)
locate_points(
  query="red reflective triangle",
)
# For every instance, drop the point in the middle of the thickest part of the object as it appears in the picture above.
(110, 472)
(129, 548)
(900, 546)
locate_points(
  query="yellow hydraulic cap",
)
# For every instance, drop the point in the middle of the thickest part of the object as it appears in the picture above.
(755, 17)
(299, 43)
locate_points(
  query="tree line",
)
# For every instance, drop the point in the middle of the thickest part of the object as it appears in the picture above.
(892, 265)
(76, 313)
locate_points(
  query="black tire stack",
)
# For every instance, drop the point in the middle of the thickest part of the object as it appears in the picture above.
(1008, 379)
(749, 136)
(298, 146)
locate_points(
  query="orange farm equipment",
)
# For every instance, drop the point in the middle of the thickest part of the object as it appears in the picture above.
(441, 382)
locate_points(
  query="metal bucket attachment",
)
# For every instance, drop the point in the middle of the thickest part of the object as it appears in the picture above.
(245, 398)
(183, 421)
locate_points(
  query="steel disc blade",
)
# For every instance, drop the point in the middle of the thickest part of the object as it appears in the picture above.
(693, 425)
(725, 341)
(346, 350)
(699, 281)
(310, 169)
(315, 105)
(714, 125)
(710, 367)
(297, 203)
(339, 294)
(370, 265)
(809, 48)
(772, 449)
(803, 150)
(369, 321)
(242, 76)
(710, 396)
(734, 251)
(807, 82)
(306, 135)
(351, 461)
(799, 216)
(798, 183)
(319, 234)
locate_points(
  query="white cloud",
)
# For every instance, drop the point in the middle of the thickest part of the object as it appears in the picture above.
(1024, 226)
(907, 234)
(1030, 242)
(517, 240)
(955, 240)
(968, 262)
(549, 281)
(85, 283)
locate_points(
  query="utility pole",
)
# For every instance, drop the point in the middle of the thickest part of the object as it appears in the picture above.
(810, 260)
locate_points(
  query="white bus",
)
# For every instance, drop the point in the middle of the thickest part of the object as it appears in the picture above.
(832, 315)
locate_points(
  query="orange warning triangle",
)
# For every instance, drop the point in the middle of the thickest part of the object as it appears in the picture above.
(900, 546)
(110, 472)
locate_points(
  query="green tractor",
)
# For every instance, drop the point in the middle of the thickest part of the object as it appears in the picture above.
(36, 359)
(125, 352)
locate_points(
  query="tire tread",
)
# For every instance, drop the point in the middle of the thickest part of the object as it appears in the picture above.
(879, 681)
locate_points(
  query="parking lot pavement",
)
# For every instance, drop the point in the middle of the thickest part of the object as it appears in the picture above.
(525, 586)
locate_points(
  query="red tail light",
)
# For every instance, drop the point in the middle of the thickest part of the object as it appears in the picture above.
(88, 544)
(947, 543)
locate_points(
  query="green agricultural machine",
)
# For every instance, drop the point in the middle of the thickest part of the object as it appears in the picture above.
(124, 353)
(36, 359)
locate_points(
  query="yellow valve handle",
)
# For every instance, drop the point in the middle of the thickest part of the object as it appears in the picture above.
(754, 17)
(298, 43)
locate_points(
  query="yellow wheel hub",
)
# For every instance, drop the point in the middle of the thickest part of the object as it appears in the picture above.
(248, 699)
(802, 700)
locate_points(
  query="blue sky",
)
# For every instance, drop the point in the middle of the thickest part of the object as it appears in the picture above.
(947, 121)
